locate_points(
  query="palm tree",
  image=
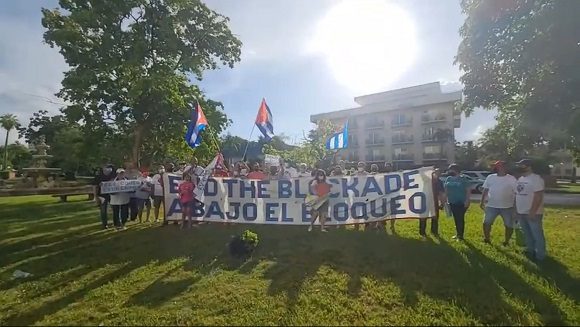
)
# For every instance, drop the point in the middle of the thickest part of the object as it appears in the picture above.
(8, 122)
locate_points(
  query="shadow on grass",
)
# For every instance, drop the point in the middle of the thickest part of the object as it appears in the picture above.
(474, 282)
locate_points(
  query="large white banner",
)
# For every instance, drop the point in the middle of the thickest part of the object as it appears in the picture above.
(353, 199)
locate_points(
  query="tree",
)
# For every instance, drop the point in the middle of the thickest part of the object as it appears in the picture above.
(8, 122)
(312, 150)
(467, 155)
(19, 155)
(521, 57)
(130, 63)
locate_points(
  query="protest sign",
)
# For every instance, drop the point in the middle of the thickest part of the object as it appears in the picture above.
(271, 160)
(352, 199)
(124, 185)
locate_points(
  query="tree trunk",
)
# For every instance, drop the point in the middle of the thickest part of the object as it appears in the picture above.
(5, 166)
(137, 142)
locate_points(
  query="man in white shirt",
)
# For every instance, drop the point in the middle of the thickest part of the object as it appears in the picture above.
(498, 200)
(530, 209)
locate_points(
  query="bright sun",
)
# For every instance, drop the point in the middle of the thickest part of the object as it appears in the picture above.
(368, 44)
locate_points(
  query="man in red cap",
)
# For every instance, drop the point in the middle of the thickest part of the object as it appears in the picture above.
(498, 200)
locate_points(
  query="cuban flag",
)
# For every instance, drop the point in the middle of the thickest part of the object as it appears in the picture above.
(338, 140)
(197, 124)
(264, 121)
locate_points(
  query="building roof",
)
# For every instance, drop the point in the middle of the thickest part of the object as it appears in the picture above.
(408, 97)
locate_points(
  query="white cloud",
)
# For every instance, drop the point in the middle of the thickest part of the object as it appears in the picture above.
(30, 71)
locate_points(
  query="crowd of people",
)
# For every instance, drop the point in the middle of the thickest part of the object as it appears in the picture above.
(517, 201)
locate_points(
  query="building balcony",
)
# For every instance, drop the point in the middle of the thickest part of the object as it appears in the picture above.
(403, 157)
(428, 119)
(434, 156)
(404, 139)
(375, 142)
(375, 125)
(429, 138)
(406, 123)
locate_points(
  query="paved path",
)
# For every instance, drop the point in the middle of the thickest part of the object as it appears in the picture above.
(550, 198)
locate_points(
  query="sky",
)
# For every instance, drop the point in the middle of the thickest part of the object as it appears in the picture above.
(304, 57)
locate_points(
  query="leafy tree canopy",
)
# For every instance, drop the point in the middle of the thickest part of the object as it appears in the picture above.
(521, 57)
(130, 63)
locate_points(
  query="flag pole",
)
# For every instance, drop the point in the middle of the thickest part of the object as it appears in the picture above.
(248, 142)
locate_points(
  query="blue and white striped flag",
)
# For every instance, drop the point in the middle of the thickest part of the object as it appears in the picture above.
(338, 140)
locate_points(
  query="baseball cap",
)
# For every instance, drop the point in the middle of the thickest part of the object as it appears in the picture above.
(453, 167)
(524, 162)
(498, 163)
(120, 170)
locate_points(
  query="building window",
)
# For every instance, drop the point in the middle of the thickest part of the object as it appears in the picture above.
(401, 119)
(352, 140)
(352, 156)
(373, 122)
(401, 137)
(432, 152)
(402, 153)
(375, 138)
(375, 155)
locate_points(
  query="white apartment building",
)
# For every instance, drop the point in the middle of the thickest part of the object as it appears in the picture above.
(408, 127)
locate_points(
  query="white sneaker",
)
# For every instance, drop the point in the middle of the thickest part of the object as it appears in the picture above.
(310, 228)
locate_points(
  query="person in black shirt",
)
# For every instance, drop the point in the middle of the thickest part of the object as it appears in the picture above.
(104, 174)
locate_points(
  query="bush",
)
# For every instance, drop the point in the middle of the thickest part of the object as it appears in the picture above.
(243, 246)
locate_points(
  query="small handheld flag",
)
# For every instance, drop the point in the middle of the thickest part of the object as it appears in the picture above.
(197, 124)
(264, 121)
(338, 140)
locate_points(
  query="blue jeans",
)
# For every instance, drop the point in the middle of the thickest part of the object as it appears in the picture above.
(492, 213)
(534, 235)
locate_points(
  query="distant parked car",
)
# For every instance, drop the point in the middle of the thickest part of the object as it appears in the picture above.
(479, 174)
(476, 184)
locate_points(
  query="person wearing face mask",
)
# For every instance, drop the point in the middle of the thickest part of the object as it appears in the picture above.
(105, 174)
(458, 192)
(157, 182)
(321, 189)
(530, 209)
(498, 199)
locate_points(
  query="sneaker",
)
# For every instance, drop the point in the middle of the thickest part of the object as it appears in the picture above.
(119, 228)
(436, 235)
(455, 237)
(487, 241)
(310, 228)
(505, 243)
(105, 227)
(323, 230)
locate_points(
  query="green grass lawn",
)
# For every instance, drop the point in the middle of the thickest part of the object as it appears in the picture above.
(566, 188)
(150, 275)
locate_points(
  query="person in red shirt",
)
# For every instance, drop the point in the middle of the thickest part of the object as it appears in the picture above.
(257, 172)
(321, 188)
(185, 192)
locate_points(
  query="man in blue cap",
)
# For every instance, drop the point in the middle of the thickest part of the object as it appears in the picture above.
(530, 209)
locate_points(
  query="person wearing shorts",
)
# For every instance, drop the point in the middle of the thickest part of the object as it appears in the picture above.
(498, 200)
